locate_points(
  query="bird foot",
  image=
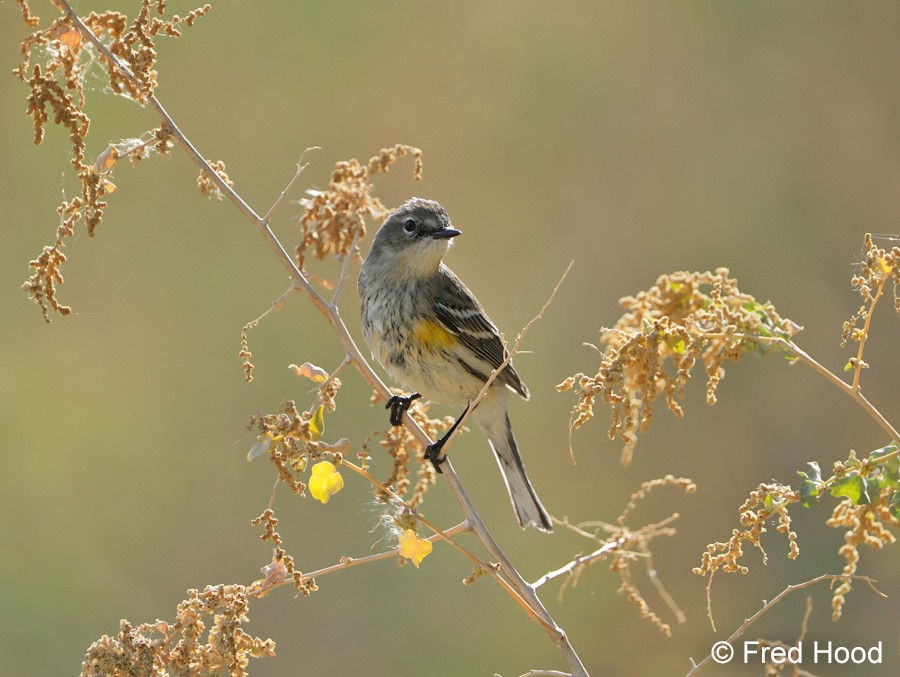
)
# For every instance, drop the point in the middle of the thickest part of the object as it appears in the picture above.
(398, 404)
(434, 453)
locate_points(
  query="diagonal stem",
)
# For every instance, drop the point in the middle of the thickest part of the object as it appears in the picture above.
(330, 312)
(858, 367)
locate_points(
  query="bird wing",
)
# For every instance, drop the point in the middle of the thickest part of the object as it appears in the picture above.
(463, 315)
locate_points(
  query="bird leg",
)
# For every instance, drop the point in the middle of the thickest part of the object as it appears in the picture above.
(433, 451)
(398, 404)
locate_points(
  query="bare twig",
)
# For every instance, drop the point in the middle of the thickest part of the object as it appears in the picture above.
(660, 588)
(849, 389)
(510, 354)
(345, 267)
(697, 667)
(333, 375)
(864, 335)
(852, 390)
(348, 562)
(287, 189)
(534, 607)
(580, 561)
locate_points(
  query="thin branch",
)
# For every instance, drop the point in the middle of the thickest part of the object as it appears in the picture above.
(660, 588)
(848, 389)
(858, 367)
(348, 562)
(333, 375)
(287, 189)
(345, 267)
(697, 667)
(510, 353)
(580, 561)
(296, 276)
(419, 517)
(536, 608)
(441, 534)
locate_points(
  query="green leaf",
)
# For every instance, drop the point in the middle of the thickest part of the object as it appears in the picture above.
(876, 482)
(891, 467)
(853, 487)
(773, 502)
(895, 505)
(814, 474)
(809, 493)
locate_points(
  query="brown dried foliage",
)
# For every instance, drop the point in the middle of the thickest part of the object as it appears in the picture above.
(633, 545)
(292, 444)
(180, 648)
(334, 219)
(877, 268)
(866, 524)
(56, 86)
(868, 518)
(767, 501)
(402, 446)
(208, 187)
(282, 567)
(684, 318)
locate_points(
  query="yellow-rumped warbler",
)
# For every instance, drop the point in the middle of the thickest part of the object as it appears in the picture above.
(432, 335)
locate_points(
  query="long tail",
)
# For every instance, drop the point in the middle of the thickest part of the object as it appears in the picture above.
(529, 510)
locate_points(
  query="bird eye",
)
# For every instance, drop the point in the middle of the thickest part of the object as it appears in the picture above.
(409, 225)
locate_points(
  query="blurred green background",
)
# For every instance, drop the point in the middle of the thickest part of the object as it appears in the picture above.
(635, 138)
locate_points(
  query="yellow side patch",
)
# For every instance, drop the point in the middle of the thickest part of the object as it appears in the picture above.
(432, 336)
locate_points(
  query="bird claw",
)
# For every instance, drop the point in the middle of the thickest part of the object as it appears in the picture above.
(433, 453)
(399, 404)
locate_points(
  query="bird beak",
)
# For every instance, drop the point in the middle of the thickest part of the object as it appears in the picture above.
(446, 233)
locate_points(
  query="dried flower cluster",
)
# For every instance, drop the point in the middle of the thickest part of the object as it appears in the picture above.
(65, 50)
(624, 545)
(869, 490)
(161, 649)
(870, 507)
(208, 187)
(684, 318)
(133, 45)
(291, 439)
(767, 501)
(334, 219)
(401, 446)
(281, 569)
(876, 269)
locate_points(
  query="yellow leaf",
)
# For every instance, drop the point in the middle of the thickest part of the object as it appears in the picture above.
(317, 424)
(414, 548)
(325, 481)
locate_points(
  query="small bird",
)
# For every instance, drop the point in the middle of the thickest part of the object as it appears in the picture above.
(432, 335)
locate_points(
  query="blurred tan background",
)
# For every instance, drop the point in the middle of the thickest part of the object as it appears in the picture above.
(634, 138)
